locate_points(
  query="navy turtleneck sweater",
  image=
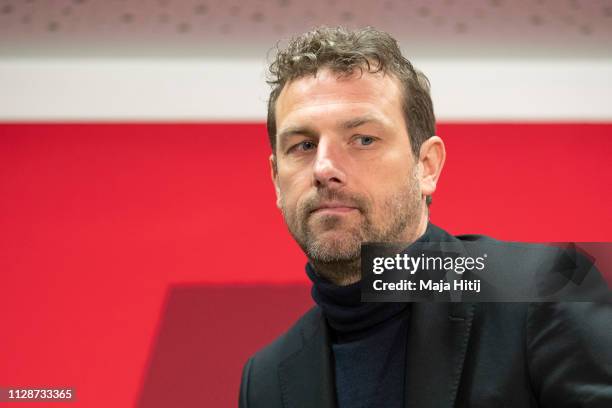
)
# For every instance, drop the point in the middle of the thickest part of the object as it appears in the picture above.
(369, 342)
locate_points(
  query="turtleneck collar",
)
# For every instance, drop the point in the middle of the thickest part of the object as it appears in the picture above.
(342, 305)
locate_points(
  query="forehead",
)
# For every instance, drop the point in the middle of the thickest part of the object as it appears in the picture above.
(377, 94)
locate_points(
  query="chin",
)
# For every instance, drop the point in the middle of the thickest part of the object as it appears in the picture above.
(335, 246)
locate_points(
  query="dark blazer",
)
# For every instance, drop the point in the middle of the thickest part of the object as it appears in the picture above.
(458, 355)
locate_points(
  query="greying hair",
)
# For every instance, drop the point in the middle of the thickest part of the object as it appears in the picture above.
(344, 51)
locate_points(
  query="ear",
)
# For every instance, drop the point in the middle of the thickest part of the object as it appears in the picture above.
(431, 161)
(274, 174)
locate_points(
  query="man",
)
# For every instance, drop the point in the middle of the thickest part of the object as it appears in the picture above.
(355, 160)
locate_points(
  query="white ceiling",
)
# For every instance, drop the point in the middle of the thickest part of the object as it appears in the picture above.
(248, 28)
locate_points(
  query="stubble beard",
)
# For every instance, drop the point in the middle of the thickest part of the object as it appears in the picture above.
(335, 251)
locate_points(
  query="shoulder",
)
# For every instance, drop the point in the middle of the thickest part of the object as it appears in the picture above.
(543, 272)
(569, 353)
(260, 377)
(499, 247)
(289, 342)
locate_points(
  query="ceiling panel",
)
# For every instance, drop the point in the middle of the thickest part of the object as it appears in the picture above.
(196, 28)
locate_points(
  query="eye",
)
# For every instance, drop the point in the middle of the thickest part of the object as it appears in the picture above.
(365, 140)
(304, 146)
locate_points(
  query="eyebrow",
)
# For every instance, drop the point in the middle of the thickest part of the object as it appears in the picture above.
(358, 121)
(310, 132)
(296, 130)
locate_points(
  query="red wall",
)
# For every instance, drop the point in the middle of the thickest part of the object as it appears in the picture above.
(121, 245)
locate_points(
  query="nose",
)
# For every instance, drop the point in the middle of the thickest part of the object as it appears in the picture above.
(327, 171)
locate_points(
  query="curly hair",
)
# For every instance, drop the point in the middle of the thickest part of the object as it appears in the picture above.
(344, 51)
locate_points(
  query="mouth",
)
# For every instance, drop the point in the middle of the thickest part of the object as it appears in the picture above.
(334, 208)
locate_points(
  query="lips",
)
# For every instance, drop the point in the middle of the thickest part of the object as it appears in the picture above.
(333, 207)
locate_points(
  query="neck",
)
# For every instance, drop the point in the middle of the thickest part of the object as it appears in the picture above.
(341, 273)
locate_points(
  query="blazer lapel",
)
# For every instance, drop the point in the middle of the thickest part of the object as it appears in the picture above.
(437, 341)
(306, 377)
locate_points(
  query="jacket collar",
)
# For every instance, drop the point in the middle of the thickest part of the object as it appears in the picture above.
(437, 342)
(306, 376)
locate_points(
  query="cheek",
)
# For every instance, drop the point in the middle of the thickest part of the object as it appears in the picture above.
(384, 181)
(293, 188)
(386, 175)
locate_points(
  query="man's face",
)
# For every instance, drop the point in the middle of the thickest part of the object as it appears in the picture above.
(345, 173)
